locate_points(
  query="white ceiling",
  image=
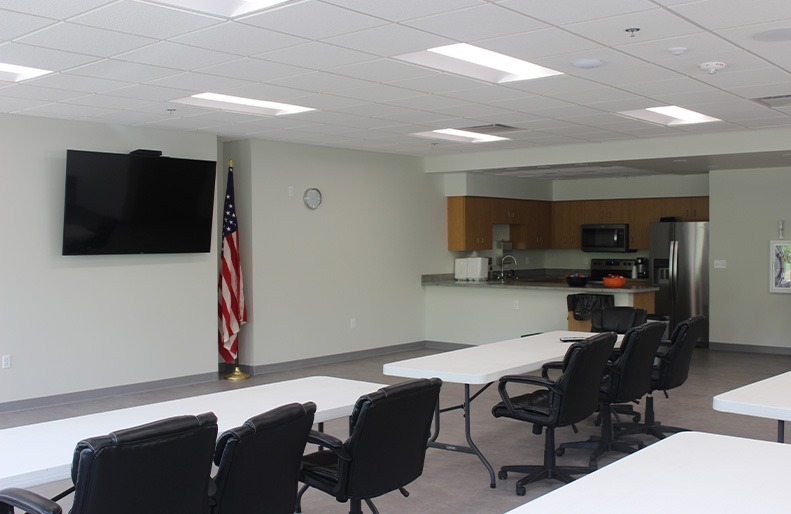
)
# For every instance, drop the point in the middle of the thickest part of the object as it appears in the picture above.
(125, 61)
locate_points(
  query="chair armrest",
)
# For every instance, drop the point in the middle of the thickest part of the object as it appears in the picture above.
(550, 365)
(334, 444)
(521, 379)
(27, 501)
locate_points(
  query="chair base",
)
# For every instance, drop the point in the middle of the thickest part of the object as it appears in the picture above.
(649, 427)
(605, 443)
(540, 472)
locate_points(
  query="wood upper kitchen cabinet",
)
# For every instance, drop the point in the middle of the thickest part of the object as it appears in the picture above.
(535, 231)
(507, 211)
(567, 217)
(687, 208)
(642, 212)
(605, 211)
(469, 223)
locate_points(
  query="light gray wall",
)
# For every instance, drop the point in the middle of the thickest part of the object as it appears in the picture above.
(745, 206)
(359, 255)
(85, 322)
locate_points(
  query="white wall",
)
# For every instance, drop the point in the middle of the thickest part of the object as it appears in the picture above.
(79, 323)
(359, 255)
(745, 206)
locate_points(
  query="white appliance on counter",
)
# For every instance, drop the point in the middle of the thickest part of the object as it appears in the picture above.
(472, 268)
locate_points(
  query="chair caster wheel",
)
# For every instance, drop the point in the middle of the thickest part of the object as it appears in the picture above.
(520, 491)
(636, 419)
(502, 475)
(560, 451)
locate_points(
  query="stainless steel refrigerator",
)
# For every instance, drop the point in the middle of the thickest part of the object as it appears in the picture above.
(679, 267)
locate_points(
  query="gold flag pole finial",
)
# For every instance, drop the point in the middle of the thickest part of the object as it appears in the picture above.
(230, 163)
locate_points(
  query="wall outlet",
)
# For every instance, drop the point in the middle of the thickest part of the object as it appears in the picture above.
(6, 361)
(720, 264)
(516, 305)
(353, 323)
(527, 261)
(290, 190)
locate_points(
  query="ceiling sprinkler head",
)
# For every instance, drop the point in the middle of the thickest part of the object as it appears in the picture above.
(712, 67)
(632, 30)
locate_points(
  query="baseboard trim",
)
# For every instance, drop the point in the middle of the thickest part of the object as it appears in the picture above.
(750, 348)
(96, 394)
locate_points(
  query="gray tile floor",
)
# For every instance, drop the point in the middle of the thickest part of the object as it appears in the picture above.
(455, 482)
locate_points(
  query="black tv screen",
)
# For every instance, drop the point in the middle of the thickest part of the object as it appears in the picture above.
(132, 204)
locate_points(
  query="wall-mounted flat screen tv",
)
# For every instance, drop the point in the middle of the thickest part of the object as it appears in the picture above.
(133, 204)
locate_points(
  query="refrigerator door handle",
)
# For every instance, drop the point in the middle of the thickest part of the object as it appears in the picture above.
(673, 275)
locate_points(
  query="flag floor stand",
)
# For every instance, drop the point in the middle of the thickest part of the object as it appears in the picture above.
(237, 376)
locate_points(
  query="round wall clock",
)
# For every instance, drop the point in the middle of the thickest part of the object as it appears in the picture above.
(312, 198)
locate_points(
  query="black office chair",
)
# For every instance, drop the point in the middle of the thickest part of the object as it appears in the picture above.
(258, 463)
(385, 451)
(628, 379)
(617, 319)
(562, 402)
(160, 467)
(671, 371)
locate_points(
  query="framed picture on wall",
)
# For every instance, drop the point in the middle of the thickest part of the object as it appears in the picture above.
(780, 266)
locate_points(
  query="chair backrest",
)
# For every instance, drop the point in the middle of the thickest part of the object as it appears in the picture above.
(674, 365)
(617, 319)
(389, 436)
(258, 463)
(162, 466)
(578, 387)
(630, 374)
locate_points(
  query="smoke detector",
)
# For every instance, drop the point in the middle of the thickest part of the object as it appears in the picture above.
(712, 67)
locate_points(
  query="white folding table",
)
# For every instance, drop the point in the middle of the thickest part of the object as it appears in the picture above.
(482, 365)
(41, 453)
(685, 472)
(767, 398)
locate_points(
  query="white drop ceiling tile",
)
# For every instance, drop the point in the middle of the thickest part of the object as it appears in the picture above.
(11, 104)
(380, 93)
(540, 43)
(44, 58)
(43, 94)
(109, 102)
(175, 55)
(200, 82)
(389, 40)
(471, 111)
(191, 123)
(77, 83)
(623, 76)
(128, 117)
(766, 123)
(530, 103)
(743, 36)
(486, 94)
(404, 9)
(427, 102)
(653, 24)
(316, 56)
(735, 77)
(719, 14)
(701, 47)
(14, 24)
(383, 70)
(595, 96)
(476, 23)
(319, 81)
(660, 87)
(225, 117)
(688, 99)
(573, 11)
(70, 111)
(123, 71)
(325, 102)
(373, 110)
(438, 83)
(239, 39)
(54, 10)
(763, 90)
(270, 92)
(85, 40)
(148, 92)
(251, 69)
(312, 20)
(145, 19)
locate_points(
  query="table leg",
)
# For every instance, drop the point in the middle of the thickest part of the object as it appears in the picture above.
(781, 431)
(472, 448)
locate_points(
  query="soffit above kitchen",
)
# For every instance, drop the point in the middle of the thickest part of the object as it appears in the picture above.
(134, 63)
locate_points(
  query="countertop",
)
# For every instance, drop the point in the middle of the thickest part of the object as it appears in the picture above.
(549, 285)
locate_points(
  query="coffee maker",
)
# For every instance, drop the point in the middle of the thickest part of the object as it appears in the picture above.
(641, 263)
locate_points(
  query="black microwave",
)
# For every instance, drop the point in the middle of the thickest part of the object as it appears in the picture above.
(605, 238)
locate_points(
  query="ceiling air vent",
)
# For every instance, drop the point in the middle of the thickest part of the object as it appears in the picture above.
(775, 101)
(492, 129)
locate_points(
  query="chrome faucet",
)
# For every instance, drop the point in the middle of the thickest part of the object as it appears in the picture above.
(502, 266)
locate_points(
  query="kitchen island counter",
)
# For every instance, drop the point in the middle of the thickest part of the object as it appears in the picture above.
(483, 312)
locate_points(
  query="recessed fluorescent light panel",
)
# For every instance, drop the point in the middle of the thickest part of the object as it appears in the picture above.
(224, 8)
(475, 62)
(460, 136)
(669, 116)
(15, 73)
(241, 104)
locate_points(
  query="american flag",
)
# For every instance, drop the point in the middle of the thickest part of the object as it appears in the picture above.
(232, 310)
